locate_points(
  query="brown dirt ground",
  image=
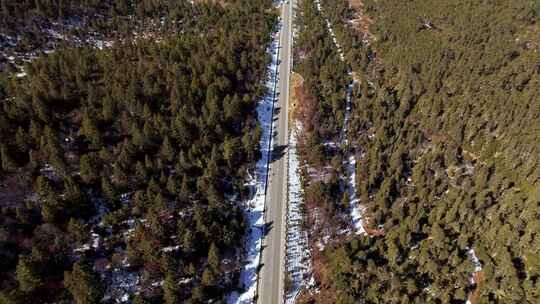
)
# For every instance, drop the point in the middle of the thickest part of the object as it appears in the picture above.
(478, 277)
(361, 22)
(12, 192)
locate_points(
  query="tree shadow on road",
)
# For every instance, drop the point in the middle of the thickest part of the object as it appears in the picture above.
(278, 152)
(266, 228)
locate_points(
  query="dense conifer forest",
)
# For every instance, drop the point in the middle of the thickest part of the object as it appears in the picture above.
(446, 123)
(29, 29)
(128, 129)
(122, 168)
(321, 108)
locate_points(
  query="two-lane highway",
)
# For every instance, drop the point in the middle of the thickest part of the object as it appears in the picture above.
(272, 271)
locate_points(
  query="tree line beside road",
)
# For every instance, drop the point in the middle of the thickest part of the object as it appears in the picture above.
(134, 159)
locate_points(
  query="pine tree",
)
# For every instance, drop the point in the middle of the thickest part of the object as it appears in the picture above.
(213, 258)
(72, 192)
(208, 278)
(140, 299)
(231, 108)
(229, 152)
(21, 140)
(172, 185)
(89, 170)
(59, 164)
(108, 188)
(105, 155)
(91, 131)
(184, 189)
(346, 201)
(167, 151)
(162, 178)
(84, 284)
(171, 289)
(7, 162)
(182, 131)
(137, 136)
(54, 151)
(43, 186)
(127, 153)
(153, 187)
(191, 270)
(27, 274)
(148, 134)
(52, 208)
(188, 244)
(155, 223)
(33, 160)
(147, 113)
(140, 172)
(35, 130)
(40, 109)
(119, 177)
(109, 108)
(149, 164)
(76, 230)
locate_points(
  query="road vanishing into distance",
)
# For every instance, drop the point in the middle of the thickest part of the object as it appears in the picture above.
(272, 269)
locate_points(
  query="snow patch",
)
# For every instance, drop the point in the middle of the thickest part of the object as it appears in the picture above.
(477, 267)
(356, 210)
(298, 259)
(171, 248)
(95, 240)
(123, 283)
(474, 259)
(254, 211)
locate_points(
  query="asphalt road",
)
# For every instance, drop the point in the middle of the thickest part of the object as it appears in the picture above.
(271, 275)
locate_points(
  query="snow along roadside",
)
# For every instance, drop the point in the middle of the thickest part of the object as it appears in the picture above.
(255, 207)
(298, 261)
(356, 210)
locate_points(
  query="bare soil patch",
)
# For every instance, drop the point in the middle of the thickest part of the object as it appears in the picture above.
(361, 22)
(12, 190)
(478, 277)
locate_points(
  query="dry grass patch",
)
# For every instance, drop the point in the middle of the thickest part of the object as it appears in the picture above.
(297, 82)
(361, 22)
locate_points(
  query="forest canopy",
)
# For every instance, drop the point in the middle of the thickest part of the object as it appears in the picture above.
(122, 168)
(446, 124)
